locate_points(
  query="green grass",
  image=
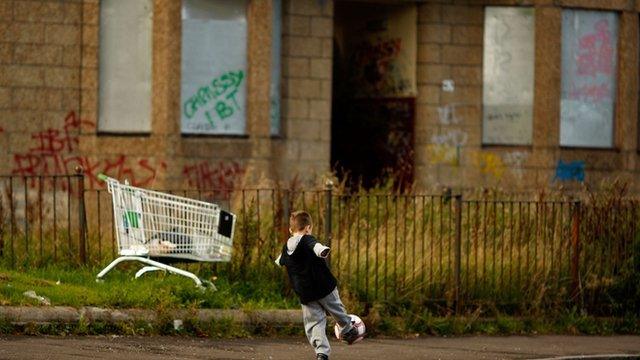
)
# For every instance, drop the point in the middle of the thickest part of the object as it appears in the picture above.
(161, 292)
(69, 286)
(409, 321)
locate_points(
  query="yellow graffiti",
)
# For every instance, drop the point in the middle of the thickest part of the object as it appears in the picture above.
(442, 154)
(489, 164)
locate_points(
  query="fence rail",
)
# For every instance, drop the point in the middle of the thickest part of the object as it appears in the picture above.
(443, 250)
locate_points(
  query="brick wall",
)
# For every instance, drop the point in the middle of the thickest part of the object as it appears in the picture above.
(307, 47)
(40, 46)
(49, 97)
(449, 47)
(49, 73)
(449, 149)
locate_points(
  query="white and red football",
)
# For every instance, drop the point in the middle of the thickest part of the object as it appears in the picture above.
(357, 323)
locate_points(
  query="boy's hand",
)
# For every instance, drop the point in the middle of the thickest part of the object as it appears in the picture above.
(325, 253)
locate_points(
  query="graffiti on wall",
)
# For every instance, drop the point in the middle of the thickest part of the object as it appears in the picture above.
(53, 152)
(594, 57)
(213, 68)
(596, 50)
(216, 101)
(445, 148)
(516, 160)
(447, 114)
(204, 175)
(488, 163)
(570, 171)
(588, 77)
(492, 164)
(508, 67)
(376, 70)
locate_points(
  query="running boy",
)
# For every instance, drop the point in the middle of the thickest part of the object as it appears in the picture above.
(304, 257)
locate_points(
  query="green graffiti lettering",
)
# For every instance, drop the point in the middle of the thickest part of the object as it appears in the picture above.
(232, 97)
(210, 119)
(226, 85)
(223, 110)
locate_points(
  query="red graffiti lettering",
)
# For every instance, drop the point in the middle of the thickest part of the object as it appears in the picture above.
(91, 171)
(204, 176)
(26, 164)
(596, 51)
(71, 122)
(50, 142)
(54, 150)
(146, 166)
(117, 168)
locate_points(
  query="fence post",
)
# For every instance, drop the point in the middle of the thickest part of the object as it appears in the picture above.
(458, 251)
(327, 215)
(82, 220)
(575, 258)
(286, 213)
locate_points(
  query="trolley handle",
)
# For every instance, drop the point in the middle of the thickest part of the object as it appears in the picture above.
(110, 182)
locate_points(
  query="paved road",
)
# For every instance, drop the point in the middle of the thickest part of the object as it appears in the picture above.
(476, 347)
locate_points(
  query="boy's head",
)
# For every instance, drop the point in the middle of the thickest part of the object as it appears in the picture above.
(300, 223)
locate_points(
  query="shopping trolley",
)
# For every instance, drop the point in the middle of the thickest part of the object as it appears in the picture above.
(155, 228)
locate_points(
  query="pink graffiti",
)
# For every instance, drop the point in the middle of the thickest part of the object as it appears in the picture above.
(204, 176)
(594, 93)
(53, 154)
(596, 51)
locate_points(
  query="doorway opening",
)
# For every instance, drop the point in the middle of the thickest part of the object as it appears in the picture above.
(374, 91)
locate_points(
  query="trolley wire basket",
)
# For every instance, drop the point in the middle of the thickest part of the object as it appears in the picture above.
(156, 228)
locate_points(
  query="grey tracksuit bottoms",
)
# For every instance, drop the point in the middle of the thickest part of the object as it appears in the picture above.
(314, 315)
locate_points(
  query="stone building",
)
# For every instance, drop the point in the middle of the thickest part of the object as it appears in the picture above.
(518, 94)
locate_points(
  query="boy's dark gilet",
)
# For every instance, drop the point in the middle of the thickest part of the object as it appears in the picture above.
(309, 274)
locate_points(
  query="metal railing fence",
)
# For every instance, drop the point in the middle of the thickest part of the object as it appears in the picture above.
(442, 250)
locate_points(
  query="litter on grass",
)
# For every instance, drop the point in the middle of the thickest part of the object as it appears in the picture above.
(32, 294)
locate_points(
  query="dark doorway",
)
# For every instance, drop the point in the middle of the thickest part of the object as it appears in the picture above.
(373, 112)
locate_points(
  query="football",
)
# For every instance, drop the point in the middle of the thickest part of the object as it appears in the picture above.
(357, 323)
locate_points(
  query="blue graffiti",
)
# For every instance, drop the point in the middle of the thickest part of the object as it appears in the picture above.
(567, 171)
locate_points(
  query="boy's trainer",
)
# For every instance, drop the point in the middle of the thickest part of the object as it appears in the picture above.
(352, 336)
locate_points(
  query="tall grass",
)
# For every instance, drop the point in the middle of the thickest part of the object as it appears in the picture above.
(517, 252)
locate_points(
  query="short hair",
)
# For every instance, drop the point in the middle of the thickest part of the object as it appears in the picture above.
(299, 220)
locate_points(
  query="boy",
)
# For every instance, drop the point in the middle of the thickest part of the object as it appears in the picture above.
(314, 284)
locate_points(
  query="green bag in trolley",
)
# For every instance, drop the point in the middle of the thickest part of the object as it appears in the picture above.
(155, 228)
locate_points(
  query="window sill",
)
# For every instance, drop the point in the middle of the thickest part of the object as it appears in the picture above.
(590, 148)
(122, 134)
(507, 146)
(214, 136)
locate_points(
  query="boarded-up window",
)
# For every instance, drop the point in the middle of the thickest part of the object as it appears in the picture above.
(125, 66)
(214, 63)
(589, 54)
(508, 75)
(274, 87)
